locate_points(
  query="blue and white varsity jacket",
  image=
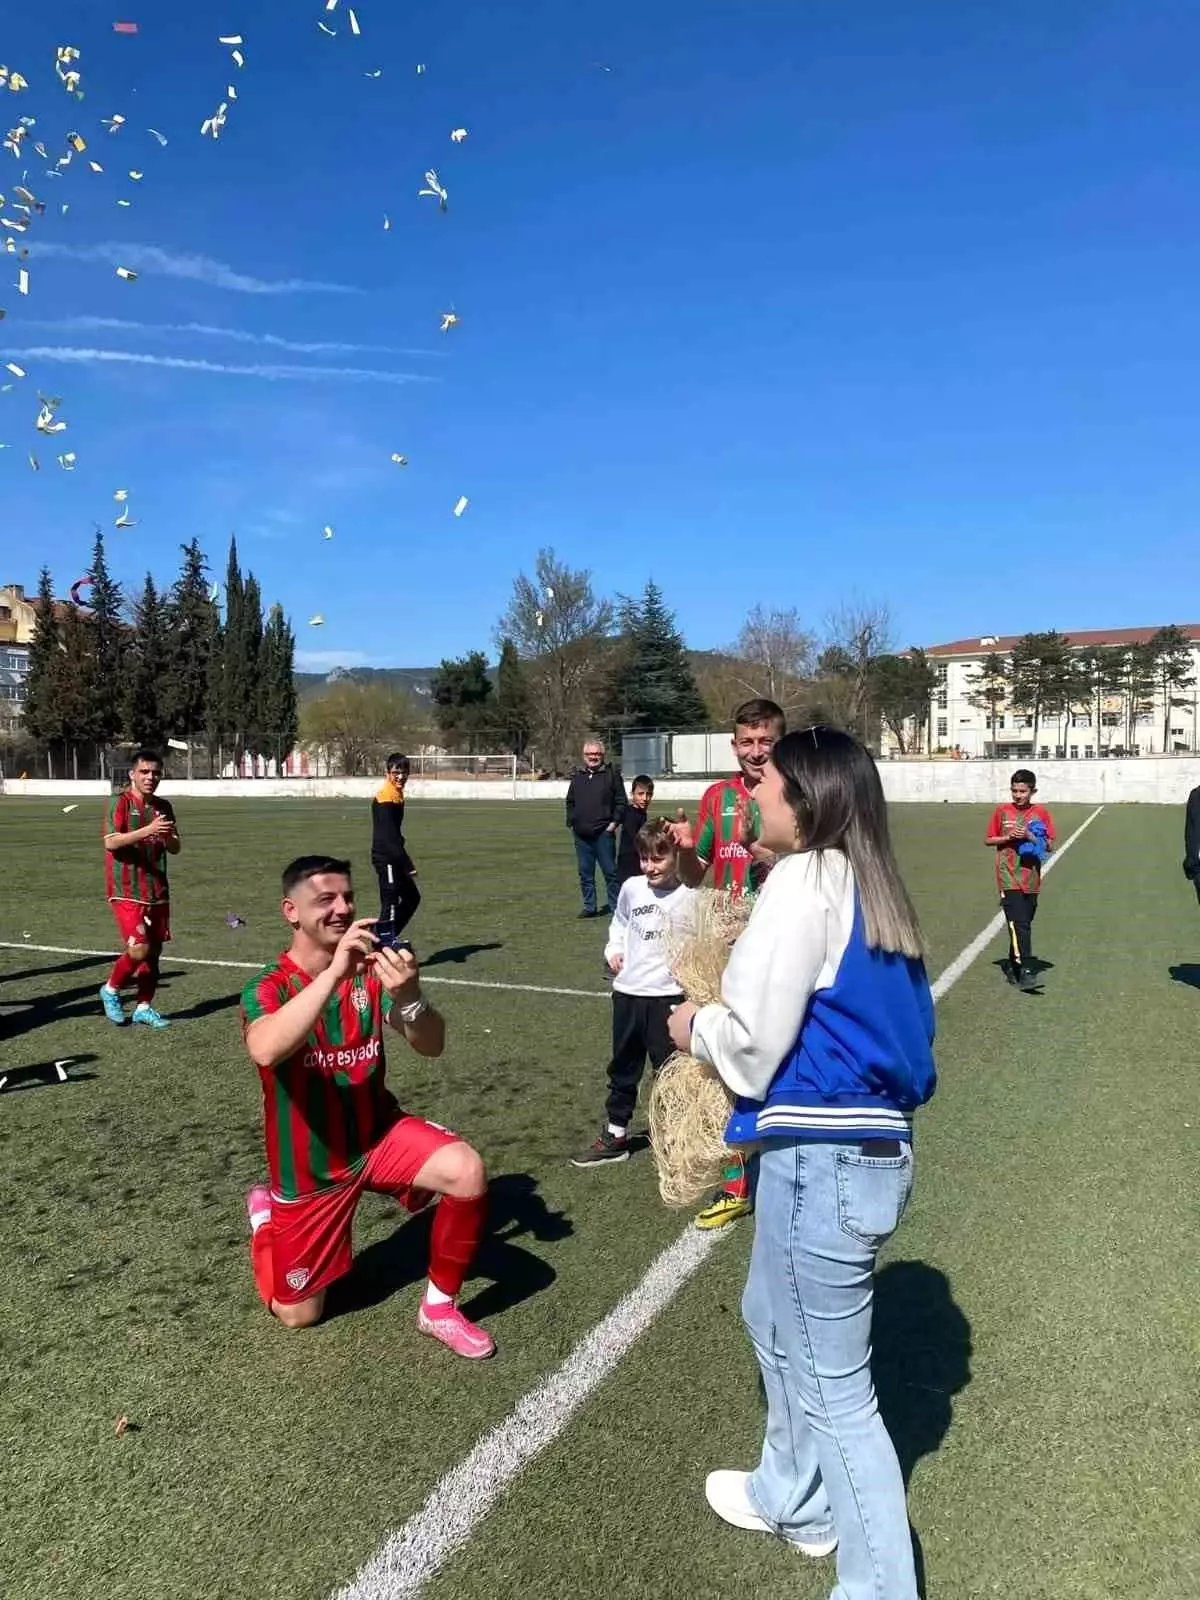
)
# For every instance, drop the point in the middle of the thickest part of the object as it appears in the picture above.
(818, 1036)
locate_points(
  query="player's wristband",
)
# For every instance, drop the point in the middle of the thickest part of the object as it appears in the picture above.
(417, 1008)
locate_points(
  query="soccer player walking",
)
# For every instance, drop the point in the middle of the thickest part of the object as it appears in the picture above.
(313, 1022)
(725, 838)
(1021, 834)
(140, 832)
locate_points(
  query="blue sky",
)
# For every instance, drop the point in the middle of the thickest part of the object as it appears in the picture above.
(797, 302)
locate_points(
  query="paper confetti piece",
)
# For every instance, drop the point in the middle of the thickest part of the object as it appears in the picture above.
(331, 5)
(387, 223)
(122, 1427)
(461, 506)
(46, 421)
(232, 920)
(67, 461)
(23, 281)
(124, 202)
(214, 594)
(121, 496)
(161, 137)
(126, 273)
(216, 122)
(435, 189)
(95, 166)
(77, 142)
(12, 80)
(231, 38)
(327, 531)
(17, 372)
(115, 123)
(458, 135)
(125, 521)
(420, 68)
(35, 463)
(332, 32)
(449, 320)
(238, 58)
(378, 73)
(401, 461)
(354, 27)
(125, 27)
(135, 175)
(316, 621)
(67, 810)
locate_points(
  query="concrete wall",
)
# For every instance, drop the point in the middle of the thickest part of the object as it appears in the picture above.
(1148, 780)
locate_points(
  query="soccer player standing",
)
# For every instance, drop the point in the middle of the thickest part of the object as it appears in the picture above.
(725, 839)
(399, 896)
(140, 833)
(1021, 834)
(313, 1023)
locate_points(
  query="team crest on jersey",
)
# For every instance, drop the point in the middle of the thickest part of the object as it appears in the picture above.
(362, 999)
(297, 1278)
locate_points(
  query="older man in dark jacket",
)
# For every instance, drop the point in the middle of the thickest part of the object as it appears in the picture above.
(1191, 840)
(595, 805)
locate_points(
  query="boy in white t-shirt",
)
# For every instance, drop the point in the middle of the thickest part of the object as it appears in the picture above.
(644, 989)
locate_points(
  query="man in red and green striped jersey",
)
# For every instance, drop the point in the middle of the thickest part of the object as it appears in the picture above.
(140, 831)
(1019, 871)
(725, 838)
(313, 1022)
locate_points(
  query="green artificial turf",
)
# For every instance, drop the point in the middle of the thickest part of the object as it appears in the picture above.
(1036, 1339)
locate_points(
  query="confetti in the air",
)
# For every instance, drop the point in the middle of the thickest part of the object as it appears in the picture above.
(327, 531)
(387, 223)
(316, 621)
(231, 38)
(12, 80)
(449, 320)
(461, 505)
(420, 69)
(401, 461)
(135, 175)
(23, 281)
(354, 27)
(17, 372)
(77, 142)
(120, 496)
(238, 58)
(115, 123)
(67, 461)
(46, 420)
(95, 166)
(161, 137)
(331, 5)
(125, 27)
(125, 521)
(34, 462)
(435, 189)
(68, 809)
(214, 593)
(216, 122)
(377, 73)
(458, 135)
(127, 274)
(332, 32)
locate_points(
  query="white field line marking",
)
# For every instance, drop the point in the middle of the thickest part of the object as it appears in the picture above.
(981, 941)
(456, 1505)
(257, 966)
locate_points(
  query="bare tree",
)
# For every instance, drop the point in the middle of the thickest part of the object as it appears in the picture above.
(857, 634)
(561, 631)
(772, 656)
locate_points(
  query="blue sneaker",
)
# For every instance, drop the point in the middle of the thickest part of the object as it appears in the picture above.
(113, 1009)
(151, 1018)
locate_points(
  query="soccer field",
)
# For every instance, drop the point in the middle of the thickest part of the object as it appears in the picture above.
(1037, 1335)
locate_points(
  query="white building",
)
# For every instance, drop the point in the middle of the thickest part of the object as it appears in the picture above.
(958, 727)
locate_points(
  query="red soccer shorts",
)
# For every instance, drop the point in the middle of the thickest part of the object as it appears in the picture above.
(309, 1238)
(143, 924)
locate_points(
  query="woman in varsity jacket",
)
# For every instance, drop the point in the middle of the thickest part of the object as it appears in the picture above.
(824, 1035)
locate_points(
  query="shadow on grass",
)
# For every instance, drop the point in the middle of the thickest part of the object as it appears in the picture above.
(23, 1016)
(205, 1008)
(1186, 972)
(78, 965)
(458, 954)
(43, 1074)
(922, 1343)
(515, 1209)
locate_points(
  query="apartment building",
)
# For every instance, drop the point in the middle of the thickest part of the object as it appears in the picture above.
(958, 727)
(18, 617)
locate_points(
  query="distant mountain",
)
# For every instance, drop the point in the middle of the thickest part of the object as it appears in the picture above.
(413, 680)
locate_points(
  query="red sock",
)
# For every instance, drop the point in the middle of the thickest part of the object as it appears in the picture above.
(260, 1260)
(147, 981)
(737, 1180)
(123, 970)
(457, 1225)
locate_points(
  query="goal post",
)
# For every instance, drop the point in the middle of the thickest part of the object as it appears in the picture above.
(504, 769)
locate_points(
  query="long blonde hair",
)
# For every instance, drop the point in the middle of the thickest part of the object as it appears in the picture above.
(832, 784)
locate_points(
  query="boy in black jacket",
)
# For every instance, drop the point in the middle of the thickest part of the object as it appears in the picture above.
(629, 864)
(399, 896)
(1191, 840)
(596, 803)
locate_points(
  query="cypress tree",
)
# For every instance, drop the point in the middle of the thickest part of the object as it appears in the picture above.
(72, 683)
(226, 695)
(192, 626)
(512, 711)
(249, 668)
(146, 700)
(278, 714)
(43, 715)
(108, 640)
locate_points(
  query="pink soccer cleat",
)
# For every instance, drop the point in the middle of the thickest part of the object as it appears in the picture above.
(447, 1324)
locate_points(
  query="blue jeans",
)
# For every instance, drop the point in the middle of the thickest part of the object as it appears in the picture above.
(592, 853)
(822, 1212)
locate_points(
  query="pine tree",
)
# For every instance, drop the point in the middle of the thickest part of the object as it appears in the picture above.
(1171, 651)
(462, 697)
(511, 710)
(108, 636)
(278, 711)
(146, 700)
(249, 656)
(192, 626)
(988, 688)
(1040, 676)
(43, 715)
(72, 683)
(652, 684)
(226, 692)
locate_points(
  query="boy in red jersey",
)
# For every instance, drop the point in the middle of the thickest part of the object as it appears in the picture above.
(725, 838)
(140, 832)
(1019, 851)
(313, 1023)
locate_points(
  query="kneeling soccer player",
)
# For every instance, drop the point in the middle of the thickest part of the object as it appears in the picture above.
(313, 1024)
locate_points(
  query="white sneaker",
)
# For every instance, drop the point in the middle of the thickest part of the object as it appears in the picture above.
(726, 1493)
